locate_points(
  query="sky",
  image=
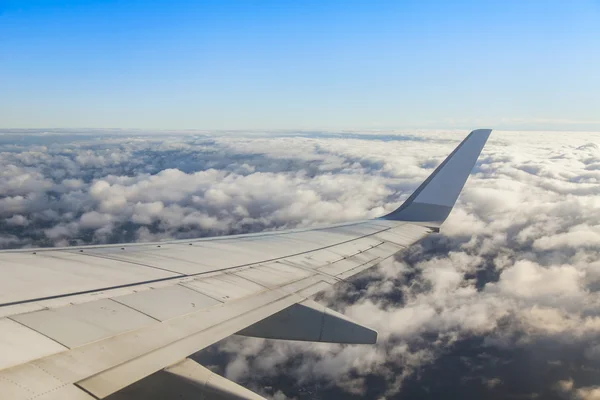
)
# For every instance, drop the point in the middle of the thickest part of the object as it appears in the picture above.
(503, 302)
(529, 65)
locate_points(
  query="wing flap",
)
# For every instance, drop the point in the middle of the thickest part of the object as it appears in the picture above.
(208, 384)
(21, 344)
(310, 321)
(186, 335)
(224, 287)
(79, 324)
(168, 302)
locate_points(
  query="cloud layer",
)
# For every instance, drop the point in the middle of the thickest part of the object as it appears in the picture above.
(503, 302)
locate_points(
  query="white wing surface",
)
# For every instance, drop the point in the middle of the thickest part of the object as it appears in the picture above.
(85, 322)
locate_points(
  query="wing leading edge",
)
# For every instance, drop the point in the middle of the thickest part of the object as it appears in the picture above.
(145, 307)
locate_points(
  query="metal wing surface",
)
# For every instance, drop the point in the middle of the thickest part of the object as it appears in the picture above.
(85, 322)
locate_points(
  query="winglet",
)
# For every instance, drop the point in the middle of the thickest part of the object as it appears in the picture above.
(432, 202)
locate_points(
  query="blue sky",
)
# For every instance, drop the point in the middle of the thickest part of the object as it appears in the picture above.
(300, 64)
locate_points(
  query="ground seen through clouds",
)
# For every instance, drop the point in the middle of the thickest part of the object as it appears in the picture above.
(503, 303)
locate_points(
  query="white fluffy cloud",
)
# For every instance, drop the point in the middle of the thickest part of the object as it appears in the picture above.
(517, 264)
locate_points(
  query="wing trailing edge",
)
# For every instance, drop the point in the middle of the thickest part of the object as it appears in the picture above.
(432, 202)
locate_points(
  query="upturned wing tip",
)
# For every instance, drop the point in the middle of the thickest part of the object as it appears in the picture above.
(432, 202)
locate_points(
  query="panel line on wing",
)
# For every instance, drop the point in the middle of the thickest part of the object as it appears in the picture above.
(134, 309)
(178, 277)
(131, 262)
(38, 332)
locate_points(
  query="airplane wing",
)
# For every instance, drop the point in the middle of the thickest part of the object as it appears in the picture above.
(84, 322)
